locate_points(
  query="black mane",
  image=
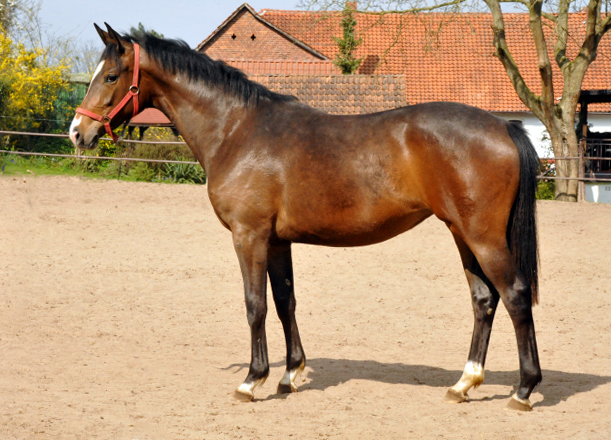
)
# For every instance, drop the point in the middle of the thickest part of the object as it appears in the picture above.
(176, 56)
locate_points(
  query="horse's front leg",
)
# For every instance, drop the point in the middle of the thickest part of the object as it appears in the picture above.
(252, 249)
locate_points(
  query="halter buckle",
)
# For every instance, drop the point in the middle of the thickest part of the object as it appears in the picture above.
(134, 90)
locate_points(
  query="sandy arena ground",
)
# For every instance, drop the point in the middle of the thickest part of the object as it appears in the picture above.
(122, 317)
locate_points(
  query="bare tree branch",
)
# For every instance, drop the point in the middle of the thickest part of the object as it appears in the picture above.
(604, 25)
(544, 64)
(529, 99)
(546, 15)
(562, 31)
(591, 39)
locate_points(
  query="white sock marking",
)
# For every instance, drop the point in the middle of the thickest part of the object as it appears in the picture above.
(473, 375)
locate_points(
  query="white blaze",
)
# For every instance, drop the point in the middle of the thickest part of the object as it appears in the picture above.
(77, 119)
(95, 74)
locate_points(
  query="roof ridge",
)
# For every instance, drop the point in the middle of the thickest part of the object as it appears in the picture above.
(330, 75)
(277, 61)
(264, 10)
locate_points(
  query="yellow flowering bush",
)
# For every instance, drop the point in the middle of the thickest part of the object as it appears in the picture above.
(30, 86)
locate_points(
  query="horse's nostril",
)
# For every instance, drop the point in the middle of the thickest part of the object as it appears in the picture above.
(94, 142)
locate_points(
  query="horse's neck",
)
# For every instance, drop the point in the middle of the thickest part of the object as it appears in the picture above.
(202, 115)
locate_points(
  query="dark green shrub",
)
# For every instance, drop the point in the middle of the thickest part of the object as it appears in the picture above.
(184, 173)
(545, 190)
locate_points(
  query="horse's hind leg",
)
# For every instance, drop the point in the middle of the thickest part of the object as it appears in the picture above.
(484, 299)
(499, 267)
(280, 269)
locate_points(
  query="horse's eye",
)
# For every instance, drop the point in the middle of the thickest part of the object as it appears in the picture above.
(111, 78)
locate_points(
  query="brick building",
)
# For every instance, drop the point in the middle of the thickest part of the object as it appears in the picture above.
(246, 35)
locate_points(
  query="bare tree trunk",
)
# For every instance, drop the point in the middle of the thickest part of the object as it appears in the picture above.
(565, 144)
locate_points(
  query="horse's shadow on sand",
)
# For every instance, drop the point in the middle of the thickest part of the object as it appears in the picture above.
(324, 373)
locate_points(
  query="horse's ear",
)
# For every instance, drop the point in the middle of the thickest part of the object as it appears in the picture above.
(103, 34)
(116, 38)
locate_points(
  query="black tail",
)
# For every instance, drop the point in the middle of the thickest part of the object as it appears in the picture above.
(522, 227)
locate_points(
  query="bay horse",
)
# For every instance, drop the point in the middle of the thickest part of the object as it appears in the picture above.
(280, 172)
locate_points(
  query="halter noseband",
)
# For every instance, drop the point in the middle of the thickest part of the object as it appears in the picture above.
(132, 93)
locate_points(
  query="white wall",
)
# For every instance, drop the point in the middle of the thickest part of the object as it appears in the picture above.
(599, 192)
(600, 122)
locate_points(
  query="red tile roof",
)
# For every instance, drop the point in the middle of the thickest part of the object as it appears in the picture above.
(444, 57)
(340, 94)
(284, 67)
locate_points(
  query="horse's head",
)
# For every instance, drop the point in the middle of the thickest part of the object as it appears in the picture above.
(112, 97)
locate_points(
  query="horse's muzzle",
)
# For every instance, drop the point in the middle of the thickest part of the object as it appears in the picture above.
(84, 141)
(80, 143)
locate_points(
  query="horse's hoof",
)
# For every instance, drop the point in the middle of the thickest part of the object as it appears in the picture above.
(287, 383)
(453, 396)
(517, 404)
(246, 391)
(243, 395)
(286, 389)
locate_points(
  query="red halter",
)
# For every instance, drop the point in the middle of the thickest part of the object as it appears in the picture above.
(132, 93)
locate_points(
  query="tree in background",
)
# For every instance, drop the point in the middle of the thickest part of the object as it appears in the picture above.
(20, 20)
(85, 56)
(557, 114)
(348, 43)
(142, 30)
(32, 80)
(8, 11)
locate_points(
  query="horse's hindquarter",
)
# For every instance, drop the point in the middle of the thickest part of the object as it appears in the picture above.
(468, 162)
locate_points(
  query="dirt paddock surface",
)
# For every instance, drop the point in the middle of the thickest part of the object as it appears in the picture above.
(122, 317)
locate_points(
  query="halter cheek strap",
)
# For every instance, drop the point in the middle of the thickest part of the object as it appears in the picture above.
(132, 93)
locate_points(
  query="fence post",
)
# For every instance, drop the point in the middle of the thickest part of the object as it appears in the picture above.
(119, 150)
(581, 192)
(77, 155)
